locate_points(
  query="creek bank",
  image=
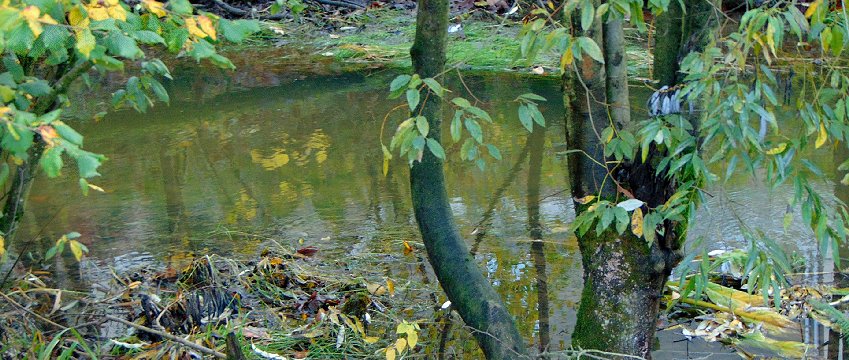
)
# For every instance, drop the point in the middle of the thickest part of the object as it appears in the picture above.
(284, 303)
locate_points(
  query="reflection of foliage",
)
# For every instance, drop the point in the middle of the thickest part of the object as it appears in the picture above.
(244, 209)
(316, 145)
(318, 142)
(272, 162)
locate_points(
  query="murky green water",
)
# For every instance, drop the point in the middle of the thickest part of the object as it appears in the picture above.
(299, 160)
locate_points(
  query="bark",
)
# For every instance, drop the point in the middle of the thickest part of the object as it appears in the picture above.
(682, 31)
(616, 67)
(463, 282)
(623, 276)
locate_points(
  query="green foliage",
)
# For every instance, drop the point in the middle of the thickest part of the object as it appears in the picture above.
(732, 84)
(47, 45)
(412, 135)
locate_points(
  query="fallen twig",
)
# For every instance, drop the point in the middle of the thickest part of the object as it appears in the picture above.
(168, 336)
(28, 311)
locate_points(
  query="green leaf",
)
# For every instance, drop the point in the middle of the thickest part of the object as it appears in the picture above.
(456, 126)
(587, 15)
(532, 97)
(17, 142)
(493, 151)
(36, 88)
(436, 148)
(483, 115)
(122, 45)
(422, 125)
(87, 162)
(412, 98)
(51, 161)
(536, 114)
(399, 82)
(525, 117)
(474, 129)
(13, 66)
(84, 186)
(434, 86)
(182, 7)
(4, 173)
(148, 37)
(463, 103)
(590, 47)
(237, 30)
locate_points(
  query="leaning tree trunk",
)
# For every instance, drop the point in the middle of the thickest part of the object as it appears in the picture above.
(468, 290)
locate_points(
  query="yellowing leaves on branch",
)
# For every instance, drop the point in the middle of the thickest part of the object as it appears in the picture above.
(32, 15)
(155, 7)
(106, 9)
(200, 27)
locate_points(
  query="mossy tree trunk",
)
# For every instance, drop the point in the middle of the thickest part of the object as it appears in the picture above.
(463, 282)
(623, 275)
(679, 32)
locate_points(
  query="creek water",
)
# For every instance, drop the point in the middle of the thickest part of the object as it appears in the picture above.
(298, 159)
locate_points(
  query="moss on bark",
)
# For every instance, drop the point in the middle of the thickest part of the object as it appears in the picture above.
(468, 290)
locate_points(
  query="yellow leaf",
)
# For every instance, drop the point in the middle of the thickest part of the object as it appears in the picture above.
(777, 150)
(385, 166)
(376, 289)
(585, 200)
(391, 286)
(371, 339)
(400, 345)
(2, 245)
(117, 12)
(85, 41)
(637, 222)
(566, 59)
(812, 9)
(822, 136)
(412, 339)
(193, 28)
(30, 14)
(97, 13)
(76, 249)
(206, 25)
(390, 353)
(96, 188)
(76, 17)
(155, 7)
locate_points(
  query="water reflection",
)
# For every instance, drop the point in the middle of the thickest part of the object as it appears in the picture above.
(535, 229)
(221, 170)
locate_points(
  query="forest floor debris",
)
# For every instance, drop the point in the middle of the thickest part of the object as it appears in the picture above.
(281, 305)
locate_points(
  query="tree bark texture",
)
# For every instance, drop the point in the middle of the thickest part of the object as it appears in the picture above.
(469, 291)
(623, 276)
(679, 32)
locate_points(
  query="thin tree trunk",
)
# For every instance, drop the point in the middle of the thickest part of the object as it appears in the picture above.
(616, 66)
(468, 290)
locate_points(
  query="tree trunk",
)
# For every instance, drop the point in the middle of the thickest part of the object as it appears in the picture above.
(616, 66)
(682, 31)
(16, 196)
(468, 290)
(623, 276)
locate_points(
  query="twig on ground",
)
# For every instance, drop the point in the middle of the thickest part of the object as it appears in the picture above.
(168, 336)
